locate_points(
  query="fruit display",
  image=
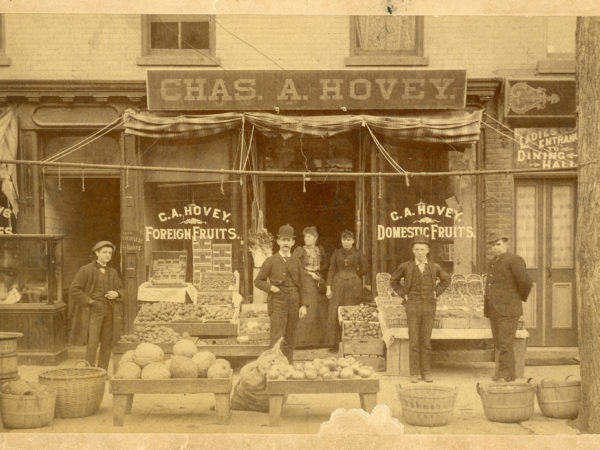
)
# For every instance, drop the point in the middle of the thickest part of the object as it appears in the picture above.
(215, 299)
(152, 333)
(320, 369)
(168, 269)
(157, 312)
(164, 312)
(217, 314)
(362, 312)
(254, 327)
(216, 281)
(361, 330)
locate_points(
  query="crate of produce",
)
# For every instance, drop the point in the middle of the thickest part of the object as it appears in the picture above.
(362, 338)
(216, 298)
(252, 311)
(168, 268)
(382, 281)
(360, 313)
(158, 312)
(217, 281)
(254, 324)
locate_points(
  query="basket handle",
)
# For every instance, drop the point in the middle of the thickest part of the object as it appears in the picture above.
(478, 388)
(77, 362)
(29, 391)
(545, 381)
(569, 376)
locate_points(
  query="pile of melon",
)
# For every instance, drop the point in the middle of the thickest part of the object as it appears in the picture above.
(323, 369)
(148, 362)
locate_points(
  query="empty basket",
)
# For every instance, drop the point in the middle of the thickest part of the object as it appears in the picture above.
(427, 406)
(559, 399)
(79, 390)
(28, 410)
(507, 402)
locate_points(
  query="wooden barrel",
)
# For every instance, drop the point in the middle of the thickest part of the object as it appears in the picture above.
(8, 356)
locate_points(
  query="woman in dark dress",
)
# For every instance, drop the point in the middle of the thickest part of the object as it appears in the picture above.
(311, 330)
(344, 284)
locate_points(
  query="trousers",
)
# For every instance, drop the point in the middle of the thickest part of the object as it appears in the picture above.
(503, 334)
(284, 306)
(420, 316)
(100, 333)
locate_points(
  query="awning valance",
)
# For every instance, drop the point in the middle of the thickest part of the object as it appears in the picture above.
(452, 127)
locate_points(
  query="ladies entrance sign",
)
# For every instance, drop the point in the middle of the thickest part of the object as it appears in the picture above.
(195, 90)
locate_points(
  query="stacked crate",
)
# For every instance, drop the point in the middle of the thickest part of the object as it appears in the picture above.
(222, 258)
(361, 335)
(202, 254)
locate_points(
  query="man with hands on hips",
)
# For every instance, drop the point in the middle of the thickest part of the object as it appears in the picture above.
(281, 277)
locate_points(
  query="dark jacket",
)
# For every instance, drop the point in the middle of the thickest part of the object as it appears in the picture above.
(356, 264)
(300, 253)
(274, 269)
(79, 297)
(406, 271)
(508, 284)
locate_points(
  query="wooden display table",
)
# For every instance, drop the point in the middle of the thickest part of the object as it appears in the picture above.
(397, 352)
(124, 390)
(366, 388)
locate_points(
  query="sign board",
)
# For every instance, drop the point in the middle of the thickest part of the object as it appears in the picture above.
(545, 148)
(539, 98)
(131, 241)
(198, 90)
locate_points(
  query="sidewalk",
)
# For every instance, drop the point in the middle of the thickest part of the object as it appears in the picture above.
(155, 413)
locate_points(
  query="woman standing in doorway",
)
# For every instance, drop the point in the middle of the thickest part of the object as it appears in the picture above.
(310, 331)
(344, 284)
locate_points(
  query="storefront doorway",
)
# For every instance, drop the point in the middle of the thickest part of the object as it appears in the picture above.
(545, 238)
(328, 205)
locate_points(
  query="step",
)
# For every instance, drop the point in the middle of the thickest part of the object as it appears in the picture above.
(548, 356)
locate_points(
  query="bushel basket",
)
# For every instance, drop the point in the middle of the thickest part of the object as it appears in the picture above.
(427, 406)
(507, 402)
(79, 390)
(28, 410)
(559, 399)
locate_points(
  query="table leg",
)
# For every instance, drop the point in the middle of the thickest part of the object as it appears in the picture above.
(129, 404)
(404, 355)
(275, 405)
(222, 407)
(368, 401)
(119, 407)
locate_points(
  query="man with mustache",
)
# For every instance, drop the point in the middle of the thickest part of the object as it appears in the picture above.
(281, 277)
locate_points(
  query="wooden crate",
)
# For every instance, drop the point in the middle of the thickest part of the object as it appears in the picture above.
(363, 347)
(376, 362)
(168, 268)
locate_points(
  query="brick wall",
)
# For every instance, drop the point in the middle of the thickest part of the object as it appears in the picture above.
(95, 47)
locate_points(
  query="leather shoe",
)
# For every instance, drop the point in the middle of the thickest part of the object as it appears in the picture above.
(427, 378)
(414, 378)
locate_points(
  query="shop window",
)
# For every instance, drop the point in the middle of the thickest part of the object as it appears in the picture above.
(560, 46)
(4, 60)
(386, 41)
(178, 40)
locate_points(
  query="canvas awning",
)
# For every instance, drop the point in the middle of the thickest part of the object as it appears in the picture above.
(451, 127)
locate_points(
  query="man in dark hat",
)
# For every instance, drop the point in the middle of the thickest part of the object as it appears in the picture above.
(92, 293)
(508, 284)
(281, 277)
(423, 282)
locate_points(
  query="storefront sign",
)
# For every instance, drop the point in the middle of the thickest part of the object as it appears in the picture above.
(545, 148)
(184, 223)
(540, 98)
(131, 241)
(196, 90)
(433, 221)
(6, 214)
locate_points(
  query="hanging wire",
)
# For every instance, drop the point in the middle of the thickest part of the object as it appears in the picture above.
(59, 180)
(222, 184)
(127, 178)
(82, 179)
(303, 182)
(380, 188)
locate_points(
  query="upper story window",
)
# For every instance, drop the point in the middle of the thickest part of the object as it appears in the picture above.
(386, 40)
(4, 60)
(186, 40)
(560, 45)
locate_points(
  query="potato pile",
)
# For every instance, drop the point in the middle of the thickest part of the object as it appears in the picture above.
(362, 330)
(216, 281)
(152, 333)
(217, 299)
(320, 369)
(157, 312)
(362, 312)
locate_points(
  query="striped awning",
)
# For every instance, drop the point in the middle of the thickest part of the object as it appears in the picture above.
(452, 127)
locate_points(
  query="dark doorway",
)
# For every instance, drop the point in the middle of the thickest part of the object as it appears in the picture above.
(329, 205)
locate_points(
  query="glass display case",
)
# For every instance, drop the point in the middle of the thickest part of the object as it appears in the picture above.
(31, 295)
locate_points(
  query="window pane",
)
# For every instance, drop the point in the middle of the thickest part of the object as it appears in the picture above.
(164, 35)
(383, 33)
(194, 35)
(525, 221)
(562, 226)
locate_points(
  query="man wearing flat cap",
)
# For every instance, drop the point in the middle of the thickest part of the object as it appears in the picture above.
(281, 278)
(92, 294)
(423, 282)
(508, 284)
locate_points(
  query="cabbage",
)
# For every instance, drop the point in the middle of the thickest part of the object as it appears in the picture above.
(203, 360)
(146, 353)
(185, 347)
(182, 367)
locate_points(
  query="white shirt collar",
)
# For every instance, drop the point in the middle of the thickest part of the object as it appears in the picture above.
(289, 255)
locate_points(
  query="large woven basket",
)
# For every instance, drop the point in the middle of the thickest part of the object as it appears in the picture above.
(507, 402)
(28, 410)
(79, 390)
(427, 406)
(559, 399)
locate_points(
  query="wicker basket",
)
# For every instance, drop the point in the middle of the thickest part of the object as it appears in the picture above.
(427, 406)
(507, 402)
(28, 410)
(79, 390)
(559, 399)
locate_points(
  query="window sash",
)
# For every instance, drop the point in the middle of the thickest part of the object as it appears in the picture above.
(361, 26)
(147, 21)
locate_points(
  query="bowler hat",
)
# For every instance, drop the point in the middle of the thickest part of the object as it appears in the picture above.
(420, 239)
(495, 237)
(286, 231)
(101, 244)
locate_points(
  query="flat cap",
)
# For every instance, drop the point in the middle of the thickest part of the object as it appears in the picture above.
(101, 244)
(496, 236)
